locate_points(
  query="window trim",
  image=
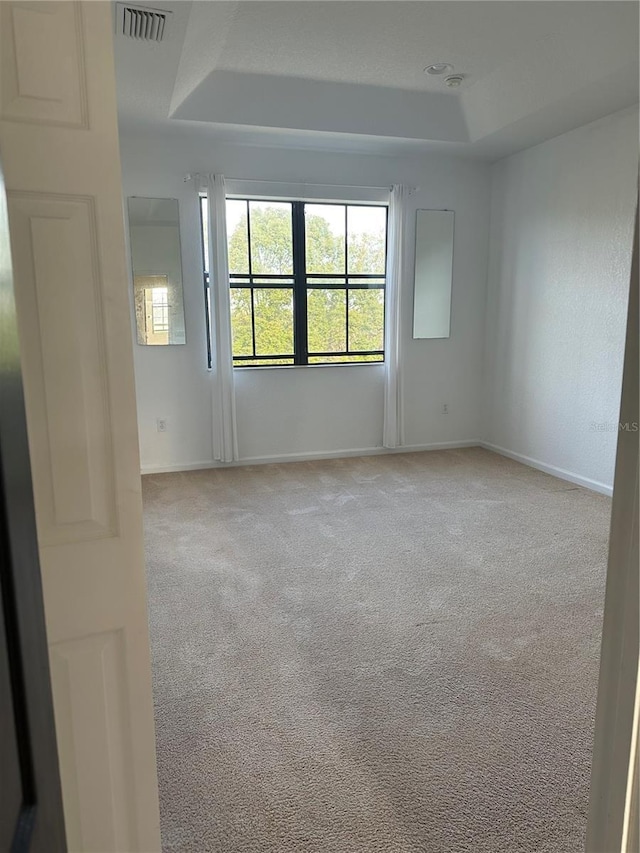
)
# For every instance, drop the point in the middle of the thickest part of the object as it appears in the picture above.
(299, 286)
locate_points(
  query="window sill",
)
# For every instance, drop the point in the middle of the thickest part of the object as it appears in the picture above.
(307, 366)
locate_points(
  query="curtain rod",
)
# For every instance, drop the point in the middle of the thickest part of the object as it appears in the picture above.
(190, 175)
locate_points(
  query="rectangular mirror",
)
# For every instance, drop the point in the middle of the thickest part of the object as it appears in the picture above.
(154, 228)
(434, 267)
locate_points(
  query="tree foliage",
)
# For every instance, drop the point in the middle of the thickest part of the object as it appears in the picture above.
(271, 254)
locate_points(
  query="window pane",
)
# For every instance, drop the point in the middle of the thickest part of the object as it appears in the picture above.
(325, 237)
(160, 309)
(366, 319)
(204, 211)
(273, 321)
(326, 320)
(271, 238)
(365, 283)
(272, 282)
(345, 314)
(241, 321)
(366, 230)
(343, 359)
(237, 236)
(339, 282)
(263, 362)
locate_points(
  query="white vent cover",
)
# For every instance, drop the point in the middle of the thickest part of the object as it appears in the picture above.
(141, 22)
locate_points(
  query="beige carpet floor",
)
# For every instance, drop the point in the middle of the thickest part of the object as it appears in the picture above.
(393, 653)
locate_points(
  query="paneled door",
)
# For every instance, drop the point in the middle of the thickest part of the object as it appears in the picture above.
(59, 147)
(31, 814)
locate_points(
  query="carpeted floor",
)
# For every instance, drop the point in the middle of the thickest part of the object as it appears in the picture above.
(390, 653)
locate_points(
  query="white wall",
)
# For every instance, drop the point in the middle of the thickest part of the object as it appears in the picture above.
(298, 411)
(561, 235)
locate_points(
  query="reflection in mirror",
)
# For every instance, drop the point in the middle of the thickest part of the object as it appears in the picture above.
(154, 229)
(434, 266)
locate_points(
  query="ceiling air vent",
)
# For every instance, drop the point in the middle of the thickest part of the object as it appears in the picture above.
(141, 22)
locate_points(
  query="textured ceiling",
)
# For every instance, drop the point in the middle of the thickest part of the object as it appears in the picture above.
(378, 43)
(355, 69)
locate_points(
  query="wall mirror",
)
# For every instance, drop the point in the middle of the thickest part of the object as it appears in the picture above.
(154, 229)
(434, 267)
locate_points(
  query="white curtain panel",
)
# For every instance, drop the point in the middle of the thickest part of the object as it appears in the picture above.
(393, 430)
(225, 439)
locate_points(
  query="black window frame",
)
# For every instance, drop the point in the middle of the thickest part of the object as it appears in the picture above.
(298, 281)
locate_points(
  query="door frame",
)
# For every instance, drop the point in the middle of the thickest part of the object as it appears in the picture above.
(613, 802)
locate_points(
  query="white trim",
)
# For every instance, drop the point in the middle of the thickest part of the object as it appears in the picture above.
(179, 466)
(613, 808)
(562, 473)
(307, 457)
(276, 458)
(631, 799)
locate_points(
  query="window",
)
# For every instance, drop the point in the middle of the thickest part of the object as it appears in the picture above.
(151, 294)
(307, 281)
(160, 309)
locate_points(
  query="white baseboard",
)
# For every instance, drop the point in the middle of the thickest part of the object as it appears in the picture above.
(307, 457)
(178, 466)
(563, 474)
(594, 485)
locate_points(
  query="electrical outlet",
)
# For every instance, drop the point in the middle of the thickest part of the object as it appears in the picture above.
(445, 408)
(161, 424)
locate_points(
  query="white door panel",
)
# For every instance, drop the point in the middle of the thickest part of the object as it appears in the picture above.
(59, 147)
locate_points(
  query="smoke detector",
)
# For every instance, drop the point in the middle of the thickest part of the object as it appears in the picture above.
(453, 81)
(141, 22)
(438, 68)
